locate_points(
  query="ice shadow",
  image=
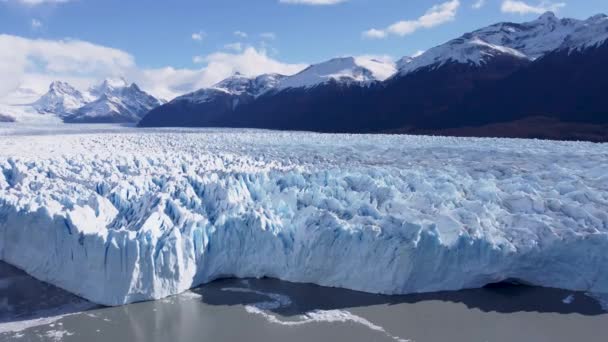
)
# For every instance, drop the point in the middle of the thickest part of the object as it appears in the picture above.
(24, 298)
(500, 298)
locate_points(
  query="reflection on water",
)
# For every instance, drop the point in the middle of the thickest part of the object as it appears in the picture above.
(272, 310)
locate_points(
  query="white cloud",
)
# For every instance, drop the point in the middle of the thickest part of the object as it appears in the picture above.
(240, 34)
(198, 36)
(268, 35)
(249, 62)
(436, 15)
(478, 4)
(234, 46)
(34, 63)
(20, 56)
(36, 24)
(312, 2)
(521, 7)
(375, 34)
(168, 82)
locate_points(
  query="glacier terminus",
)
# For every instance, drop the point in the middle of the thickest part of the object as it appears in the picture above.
(122, 216)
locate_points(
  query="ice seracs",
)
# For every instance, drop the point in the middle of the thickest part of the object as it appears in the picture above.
(131, 216)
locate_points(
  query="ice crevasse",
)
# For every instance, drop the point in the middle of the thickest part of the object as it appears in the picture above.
(120, 218)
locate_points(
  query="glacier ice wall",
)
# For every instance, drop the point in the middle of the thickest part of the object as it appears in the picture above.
(124, 217)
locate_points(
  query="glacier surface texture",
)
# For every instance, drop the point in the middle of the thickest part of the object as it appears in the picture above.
(125, 216)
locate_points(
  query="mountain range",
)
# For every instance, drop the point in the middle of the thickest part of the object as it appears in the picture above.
(545, 78)
(541, 79)
(112, 101)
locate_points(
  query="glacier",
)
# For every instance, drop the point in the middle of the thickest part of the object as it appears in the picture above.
(126, 215)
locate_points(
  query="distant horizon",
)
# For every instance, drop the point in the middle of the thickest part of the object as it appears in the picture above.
(82, 43)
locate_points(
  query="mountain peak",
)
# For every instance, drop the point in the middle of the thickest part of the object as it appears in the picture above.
(108, 85)
(344, 70)
(597, 18)
(61, 99)
(547, 17)
(113, 100)
(62, 87)
(528, 40)
(117, 102)
(119, 82)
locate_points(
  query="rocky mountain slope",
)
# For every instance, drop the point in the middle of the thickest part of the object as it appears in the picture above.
(549, 67)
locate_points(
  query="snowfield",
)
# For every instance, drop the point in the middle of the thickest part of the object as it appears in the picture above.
(131, 215)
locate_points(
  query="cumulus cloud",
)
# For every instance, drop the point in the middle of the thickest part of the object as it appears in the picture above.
(20, 56)
(435, 16)
(375, 34)
(521, 7)
(312, 2)
(169, 82)
(249, 62)
(34, 63)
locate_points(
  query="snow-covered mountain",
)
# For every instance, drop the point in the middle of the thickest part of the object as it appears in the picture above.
(113, 100)
(530, 41)
(62, 100)
(18, 105)
(214, 102)
(235, 85)
(463, 83)
(218, 103)
(343, 70)
(116, 102)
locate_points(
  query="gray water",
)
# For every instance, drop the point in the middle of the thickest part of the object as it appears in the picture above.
(272, 310)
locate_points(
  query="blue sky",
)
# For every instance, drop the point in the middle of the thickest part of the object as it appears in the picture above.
(183, 34)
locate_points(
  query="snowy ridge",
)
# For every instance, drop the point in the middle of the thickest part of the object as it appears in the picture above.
(235, 85)
(62, 99)
(344, 70)
(530, 41)
(113, 100)
(116, 103)
(108, 86)
(239, 84)
(124, 217)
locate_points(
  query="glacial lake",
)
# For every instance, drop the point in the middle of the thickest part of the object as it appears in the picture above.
(273, 310)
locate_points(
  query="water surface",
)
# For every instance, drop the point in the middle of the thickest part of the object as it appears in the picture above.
(272, 310)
